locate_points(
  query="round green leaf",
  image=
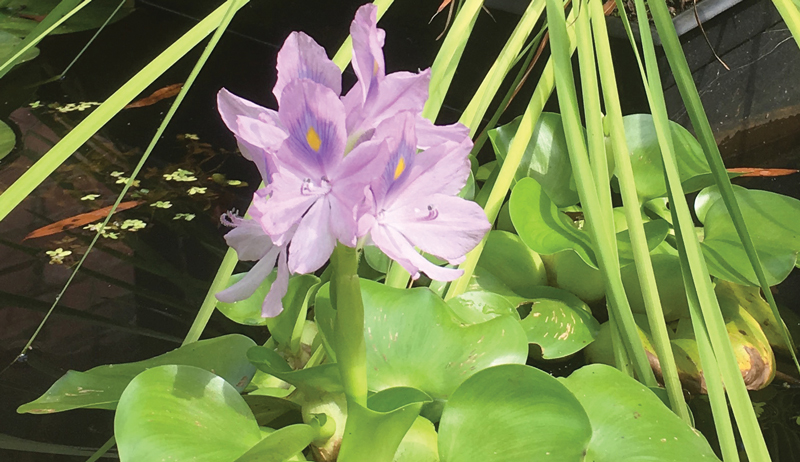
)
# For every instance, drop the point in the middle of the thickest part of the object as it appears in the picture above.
(376, 259)
(281, 445)
(512, 413)
(513, 262)
(645, 153)
(7, 43)
(312, 381)
(480, 306)
(559, 322)
(669, 281)
(546, 158)
(542, 227)
(420, 443)
(7, 140)
(772, 222)
(631, 423)
(183, 413)
(101, 387)
(413, 339)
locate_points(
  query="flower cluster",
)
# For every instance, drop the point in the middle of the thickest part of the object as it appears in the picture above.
(363, 166)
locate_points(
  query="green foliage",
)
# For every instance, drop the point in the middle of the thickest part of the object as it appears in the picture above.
(19, 16)
(101, 387)
(412, 339)
(7, 139)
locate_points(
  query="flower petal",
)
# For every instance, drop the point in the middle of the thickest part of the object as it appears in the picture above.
(273, 304)
(397, 92)
(444, 226)
(368, 61)
(397, 247)
(249, 240)
(442, 169)
(302, 58)
(429, 135)
(314, 118)
(313, 242)
(284, 208)
(231, 106)
(247, 286)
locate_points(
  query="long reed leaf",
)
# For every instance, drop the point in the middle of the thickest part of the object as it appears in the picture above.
(624, 172)
(20, 189)
(790, 12)
(742, 409)
(596, 217)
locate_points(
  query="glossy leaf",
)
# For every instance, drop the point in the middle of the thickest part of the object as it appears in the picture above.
(281, 327)
(629, 422)
(508, 258)
(312, 381)
(671, 290)
(7, 140)
(375, 432)
(8, 42)
(512, 413)
(542, 227)
(281, 445)
(101, 387)
(479, 306)
(645, 153)
(559, 322)
(412, 339)
(420, 444)
(545, 159)
(772, 220)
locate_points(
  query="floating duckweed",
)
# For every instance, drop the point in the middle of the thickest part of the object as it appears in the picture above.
(162, 204)
(191, 136)
(90, 197)
(123, 180)
(180, 175)
(94, 227)
(35, 104)
(57, 256)
(116, 174)
(134, 225)
(196, 190)
(234, 183)
(184, 216)
(82, 106)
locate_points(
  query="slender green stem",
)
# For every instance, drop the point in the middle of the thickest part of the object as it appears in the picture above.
(91, 40)
(641, 253)
(351, 350)
(596, 217)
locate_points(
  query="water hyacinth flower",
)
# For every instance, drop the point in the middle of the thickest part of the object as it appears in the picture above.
(340, 168)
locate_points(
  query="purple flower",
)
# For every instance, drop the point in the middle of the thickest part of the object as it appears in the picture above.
(253, 244)
(414, 203)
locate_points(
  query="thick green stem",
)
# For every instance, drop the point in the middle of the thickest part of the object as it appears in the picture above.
(351, 350)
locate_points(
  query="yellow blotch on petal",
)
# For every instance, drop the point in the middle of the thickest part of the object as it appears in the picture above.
(313, 139)
(374, 67)
(401, 166)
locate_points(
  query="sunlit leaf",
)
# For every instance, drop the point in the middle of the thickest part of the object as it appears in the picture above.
(513, 413)
(101, 387)
(629, 422)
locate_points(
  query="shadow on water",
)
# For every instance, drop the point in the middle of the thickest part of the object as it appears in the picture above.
(142, 285)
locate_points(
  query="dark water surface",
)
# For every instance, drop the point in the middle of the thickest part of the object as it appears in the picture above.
(138, 293)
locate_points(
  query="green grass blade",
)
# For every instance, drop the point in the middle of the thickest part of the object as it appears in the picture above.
(63, 11)
(694, 108)
(12, 443)
(486, 92)
(449, 55)
(345, 53)
(740, 401)
(103, 113)
(624, 172)
(596, 217)
(791, 16)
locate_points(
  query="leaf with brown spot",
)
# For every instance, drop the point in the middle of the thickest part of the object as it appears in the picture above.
(167, 92)
(755, 171)
(78, 220)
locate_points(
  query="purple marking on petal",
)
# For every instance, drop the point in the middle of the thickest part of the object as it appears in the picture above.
(247, 286)
(368, 62)
(401, 139)
(273, 304)
(313, 242)
(314, 118)
(443, 169)
(302, 58)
